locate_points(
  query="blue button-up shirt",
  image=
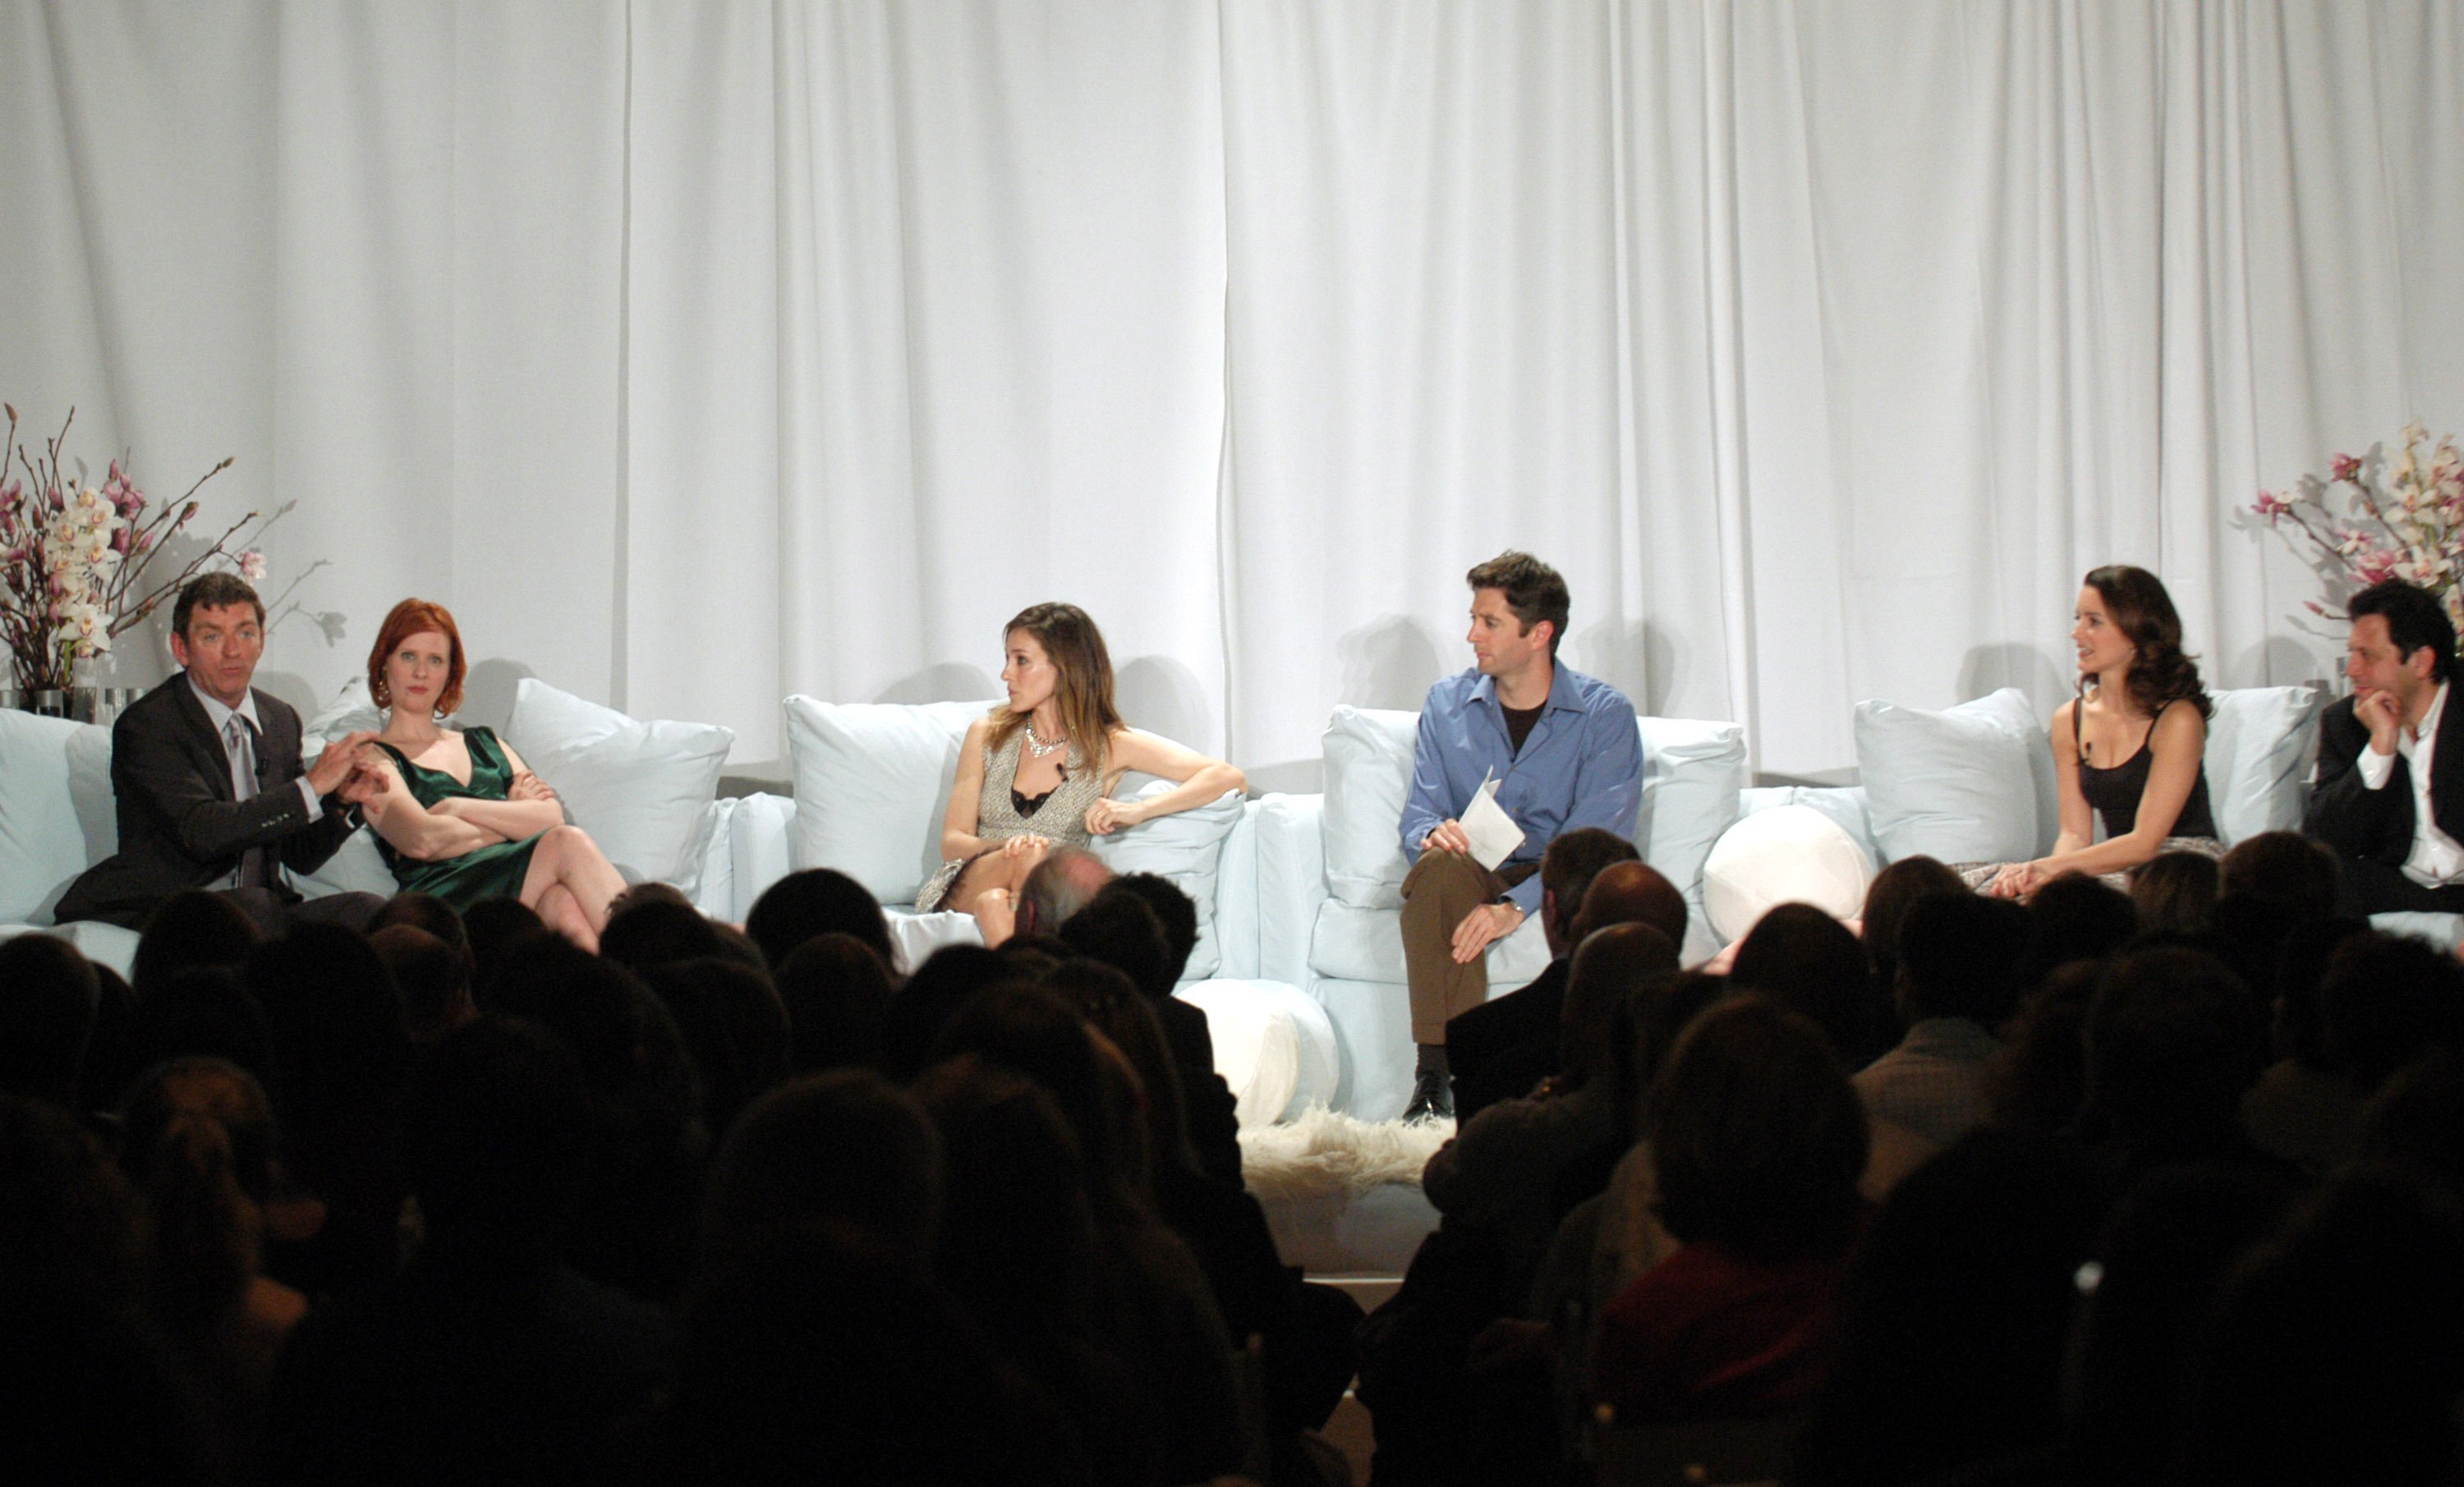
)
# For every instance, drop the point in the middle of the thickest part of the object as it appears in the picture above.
(1582, 764)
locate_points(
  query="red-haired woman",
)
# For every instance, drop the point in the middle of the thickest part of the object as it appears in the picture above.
(456, 813)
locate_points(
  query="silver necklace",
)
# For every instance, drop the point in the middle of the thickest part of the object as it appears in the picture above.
(1039, 746)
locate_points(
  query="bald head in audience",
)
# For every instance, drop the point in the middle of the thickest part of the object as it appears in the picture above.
(1632, 893)
(1064, 882)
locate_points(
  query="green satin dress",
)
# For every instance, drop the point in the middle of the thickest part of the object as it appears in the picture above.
(493, 871)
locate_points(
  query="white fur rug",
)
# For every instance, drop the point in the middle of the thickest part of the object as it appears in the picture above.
(1326, 1153)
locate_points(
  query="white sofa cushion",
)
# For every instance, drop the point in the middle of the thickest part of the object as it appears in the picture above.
(352, 711)
(1693, 774)
(355, 867)
(872, 781)
(1973, 783)
(2260, 746)
(56, 810)
(1368, 757)
(103, 944)
(643, 790)
(1793, 854)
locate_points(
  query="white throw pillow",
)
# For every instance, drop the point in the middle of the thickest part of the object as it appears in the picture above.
(1790, 854)
(1367, 753)
(351, 711)
(56, 817)
(1973, 783)
(640, 789)
(871, 782)
(1693, 775)
(1186, 847)
(2260, 746)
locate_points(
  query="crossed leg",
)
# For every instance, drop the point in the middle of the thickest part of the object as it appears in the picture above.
(999, 870)
(570, 884)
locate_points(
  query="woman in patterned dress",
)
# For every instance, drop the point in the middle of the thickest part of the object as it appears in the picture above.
(1039, 769)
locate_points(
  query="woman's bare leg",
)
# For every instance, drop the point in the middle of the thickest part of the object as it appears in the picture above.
(567, 859)
(557, 910)
(1001, 870)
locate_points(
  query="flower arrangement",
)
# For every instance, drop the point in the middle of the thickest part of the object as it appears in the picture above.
(76, 560)
(2404, 518)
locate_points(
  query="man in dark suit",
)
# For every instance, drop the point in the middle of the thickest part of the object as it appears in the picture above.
(206, 777)
(2390, 795)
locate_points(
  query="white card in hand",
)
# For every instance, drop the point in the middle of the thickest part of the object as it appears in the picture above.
(1493, 834)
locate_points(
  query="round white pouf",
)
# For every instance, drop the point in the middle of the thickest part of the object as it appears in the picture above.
(1273, 1045)
(1790, 854)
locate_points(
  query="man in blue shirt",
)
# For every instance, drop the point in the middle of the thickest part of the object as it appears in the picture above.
(1565, 752)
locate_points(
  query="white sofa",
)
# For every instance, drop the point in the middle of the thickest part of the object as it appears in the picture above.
(1300, 960)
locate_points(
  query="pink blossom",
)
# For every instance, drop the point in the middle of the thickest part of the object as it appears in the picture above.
(252, 566)
(2269, 505)
(2346, 468)
(120, 541)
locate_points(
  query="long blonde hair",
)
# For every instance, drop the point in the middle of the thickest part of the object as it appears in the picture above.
(1082, 695)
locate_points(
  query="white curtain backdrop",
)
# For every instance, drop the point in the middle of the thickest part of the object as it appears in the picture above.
(698, 354)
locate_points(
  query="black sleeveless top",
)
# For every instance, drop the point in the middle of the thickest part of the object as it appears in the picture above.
(2115, 792)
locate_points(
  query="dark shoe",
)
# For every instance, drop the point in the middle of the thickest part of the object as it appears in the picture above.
(1433, 1098)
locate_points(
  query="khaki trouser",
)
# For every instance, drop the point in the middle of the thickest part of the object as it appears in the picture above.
(1439, 890)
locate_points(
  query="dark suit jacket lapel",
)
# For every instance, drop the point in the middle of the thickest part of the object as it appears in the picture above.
(205, 741)
(2447, 764)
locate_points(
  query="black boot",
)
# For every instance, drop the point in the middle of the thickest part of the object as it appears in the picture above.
(1433, 1097)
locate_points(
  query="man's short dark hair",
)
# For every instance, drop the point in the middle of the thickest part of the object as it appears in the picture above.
(1534, 591)
(1958, 956)
(1118, 929)
(2296, 877)
(216, 590)
(1174, 910)
(2414, 619)
(1572, 860)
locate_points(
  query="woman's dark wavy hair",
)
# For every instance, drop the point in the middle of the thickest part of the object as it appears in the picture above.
(2159, 674)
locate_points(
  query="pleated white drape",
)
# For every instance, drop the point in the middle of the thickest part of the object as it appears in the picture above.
(697, 354)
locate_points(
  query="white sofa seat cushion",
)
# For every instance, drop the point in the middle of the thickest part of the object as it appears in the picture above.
(1793, 854)
(913, 937)
(57, 816)
(1353, 944)
(642, 789)
(1973, 783)
(104, 944)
